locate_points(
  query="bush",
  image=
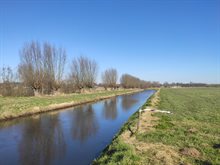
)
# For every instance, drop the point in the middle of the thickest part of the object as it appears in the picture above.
(6, 89)
(13, 89)
(67, 88)
(23, 91)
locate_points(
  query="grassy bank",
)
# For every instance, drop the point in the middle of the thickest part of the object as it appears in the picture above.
(13, 107)
(189, 136)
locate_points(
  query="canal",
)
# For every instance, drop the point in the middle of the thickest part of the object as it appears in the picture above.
(71, 136)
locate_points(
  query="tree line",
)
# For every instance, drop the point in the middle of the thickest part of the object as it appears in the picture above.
(190, 84)
(129, 81)
(41, 71)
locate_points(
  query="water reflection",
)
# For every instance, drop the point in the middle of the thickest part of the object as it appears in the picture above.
(71, 136)
(9, 124)
(128, 102)
(110, 109)
(42, 140)
(84, 123)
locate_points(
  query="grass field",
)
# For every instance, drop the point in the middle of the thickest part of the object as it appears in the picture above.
(191, 135)
(11, 107)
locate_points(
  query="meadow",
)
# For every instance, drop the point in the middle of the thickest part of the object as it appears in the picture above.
(190, 135)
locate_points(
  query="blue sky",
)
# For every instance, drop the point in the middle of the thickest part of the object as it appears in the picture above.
(174, 41)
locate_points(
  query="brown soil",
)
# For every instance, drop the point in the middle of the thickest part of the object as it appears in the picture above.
(192, 130)
(156, 99)
(160, 153)
(190, 152)
(147, 121)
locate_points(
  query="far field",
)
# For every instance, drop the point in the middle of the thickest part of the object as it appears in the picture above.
(191, 135)
(11, 107)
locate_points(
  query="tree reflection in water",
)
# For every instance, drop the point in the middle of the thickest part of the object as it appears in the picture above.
(84, 123)
(128, 102)
(42, 140)
(110, 109)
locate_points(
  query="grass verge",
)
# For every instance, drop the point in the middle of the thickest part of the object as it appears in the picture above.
(13, 107)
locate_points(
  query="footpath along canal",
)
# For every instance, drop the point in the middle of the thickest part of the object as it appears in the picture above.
(71, 136)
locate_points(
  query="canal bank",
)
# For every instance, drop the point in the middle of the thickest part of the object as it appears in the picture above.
(76, 135)
(15, 107)
(122, 148)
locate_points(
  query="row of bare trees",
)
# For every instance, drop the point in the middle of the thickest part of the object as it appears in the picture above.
(41, 71)
(129, 81)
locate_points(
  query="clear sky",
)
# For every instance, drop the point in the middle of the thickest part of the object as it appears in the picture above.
(173, 40)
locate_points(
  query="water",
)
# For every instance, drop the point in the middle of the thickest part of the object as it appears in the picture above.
(71, 136)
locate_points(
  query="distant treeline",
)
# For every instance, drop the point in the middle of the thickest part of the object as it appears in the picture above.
(41, 71)
(191, 84)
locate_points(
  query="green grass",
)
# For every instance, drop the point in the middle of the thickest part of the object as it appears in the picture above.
(196, 109)
(193, 108)
(118, 153)
(15, 106)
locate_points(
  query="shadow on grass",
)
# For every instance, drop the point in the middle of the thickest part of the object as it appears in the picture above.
(216, 146)
(203, 162)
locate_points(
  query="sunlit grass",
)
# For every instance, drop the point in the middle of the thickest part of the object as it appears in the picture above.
(13, 106)
(118, 153)
(195, 109)
(193, 124)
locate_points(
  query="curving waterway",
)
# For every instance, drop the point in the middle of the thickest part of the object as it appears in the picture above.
(71, 136)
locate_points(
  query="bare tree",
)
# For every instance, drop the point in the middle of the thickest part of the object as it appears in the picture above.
(7, 74)
(109, 78)
(54, 62)
(83, 72)
(7, 79)
(59, 64)
(129, 81)
(31, 66)
(42, 67)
